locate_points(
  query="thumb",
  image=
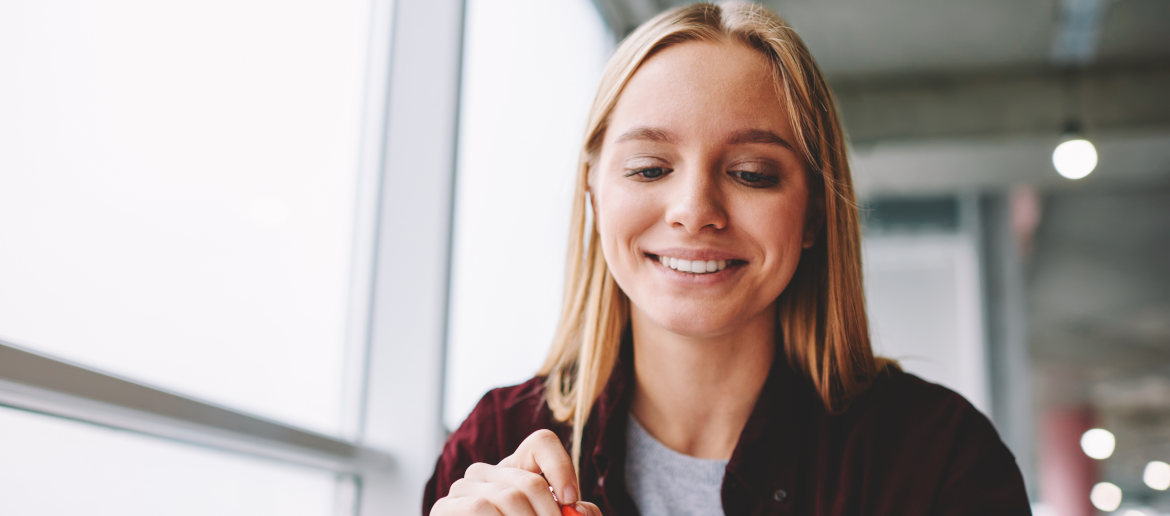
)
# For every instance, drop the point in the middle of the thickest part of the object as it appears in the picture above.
(581, 508)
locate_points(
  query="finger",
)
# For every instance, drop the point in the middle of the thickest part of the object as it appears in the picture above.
(479, 471)
(542, 452)
(478, 497)
(464, 506)
(510, 500)
(486, 481)
(584, 509)
(461, 487)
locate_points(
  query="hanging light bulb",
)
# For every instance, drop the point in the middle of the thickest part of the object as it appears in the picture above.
(1075, 157)
(1098, 443)
(1106, 496)
(1157, 475)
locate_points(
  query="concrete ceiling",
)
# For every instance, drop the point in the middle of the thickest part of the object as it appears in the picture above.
(950, 96)
(896, 37)
(853, 37)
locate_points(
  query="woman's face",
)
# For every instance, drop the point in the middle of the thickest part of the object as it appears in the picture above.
(698, 194)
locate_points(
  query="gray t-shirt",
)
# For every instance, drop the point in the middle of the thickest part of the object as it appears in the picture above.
(665, 482)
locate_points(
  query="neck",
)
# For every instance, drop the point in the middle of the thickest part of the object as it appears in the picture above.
(694, 394)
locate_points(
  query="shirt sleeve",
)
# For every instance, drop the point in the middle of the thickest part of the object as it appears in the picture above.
(474, 441)
(982, 476)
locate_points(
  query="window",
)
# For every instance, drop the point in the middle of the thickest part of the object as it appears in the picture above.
(54, 466)
(177, 201)
(201, 209)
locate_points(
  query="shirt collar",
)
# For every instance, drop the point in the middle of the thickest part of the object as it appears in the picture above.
(612, 409)
(765, 457)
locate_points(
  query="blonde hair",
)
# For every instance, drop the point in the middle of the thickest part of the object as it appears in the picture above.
(822, 310)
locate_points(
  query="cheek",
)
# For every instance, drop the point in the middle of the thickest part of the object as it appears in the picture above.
(619, 220)
(622, 218)
(779, 229)
(778, 233)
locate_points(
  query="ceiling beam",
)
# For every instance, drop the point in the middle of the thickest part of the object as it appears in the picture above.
(998, 105)
(1129, 161)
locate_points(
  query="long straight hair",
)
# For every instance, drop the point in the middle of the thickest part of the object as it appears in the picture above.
(821, 312)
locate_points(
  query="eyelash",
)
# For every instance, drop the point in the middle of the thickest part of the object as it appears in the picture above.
(749, 179)
(641, 173)
(757, 179)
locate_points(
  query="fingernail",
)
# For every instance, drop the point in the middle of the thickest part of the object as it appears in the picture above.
(569, 495)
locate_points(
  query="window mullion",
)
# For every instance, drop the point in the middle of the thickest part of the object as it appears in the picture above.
(39, 383)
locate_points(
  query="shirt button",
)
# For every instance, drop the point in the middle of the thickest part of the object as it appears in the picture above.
(780, 495)
(601, 481)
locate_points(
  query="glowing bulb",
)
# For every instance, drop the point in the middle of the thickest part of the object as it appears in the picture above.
(1157, 475)
(1106, 496)
(1098, 443)
(1075, 158)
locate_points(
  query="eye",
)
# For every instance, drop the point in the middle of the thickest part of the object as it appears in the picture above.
(647, 173)
(755, 179)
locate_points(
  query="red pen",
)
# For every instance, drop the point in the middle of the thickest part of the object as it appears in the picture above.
(566, 510)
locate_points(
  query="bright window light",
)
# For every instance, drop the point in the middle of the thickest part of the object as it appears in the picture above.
(57, 466)
(530, 68)
(1157, 475)
(1106, 496)
(1098, 443)
(1075, 158)
(177, 185)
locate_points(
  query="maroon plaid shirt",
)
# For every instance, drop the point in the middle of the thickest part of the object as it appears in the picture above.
(905, 447)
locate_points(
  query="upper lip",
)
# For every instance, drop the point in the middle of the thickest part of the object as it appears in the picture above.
(695, 254)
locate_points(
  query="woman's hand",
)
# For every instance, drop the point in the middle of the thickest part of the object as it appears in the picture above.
(516, 487)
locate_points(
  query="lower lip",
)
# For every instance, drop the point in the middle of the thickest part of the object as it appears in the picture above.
(708, 278)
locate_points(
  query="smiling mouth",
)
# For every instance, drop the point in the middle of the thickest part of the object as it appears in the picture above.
(695, 266)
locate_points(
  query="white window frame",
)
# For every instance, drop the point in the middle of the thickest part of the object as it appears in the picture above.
(399, 299)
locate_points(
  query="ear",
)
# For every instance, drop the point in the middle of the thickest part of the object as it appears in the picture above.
(813, 220)
(590, 197)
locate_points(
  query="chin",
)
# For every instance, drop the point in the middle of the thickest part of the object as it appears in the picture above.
(703, 320)
(697, 325)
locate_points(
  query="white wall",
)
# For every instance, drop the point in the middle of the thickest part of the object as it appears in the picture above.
(924, 302)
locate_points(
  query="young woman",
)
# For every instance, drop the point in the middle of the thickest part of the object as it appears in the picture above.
(713, 353)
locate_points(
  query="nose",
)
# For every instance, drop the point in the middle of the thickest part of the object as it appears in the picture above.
(696, 203)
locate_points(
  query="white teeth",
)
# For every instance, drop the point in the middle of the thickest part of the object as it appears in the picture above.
(693, 266)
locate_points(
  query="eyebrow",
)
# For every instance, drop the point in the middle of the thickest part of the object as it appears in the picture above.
(745, 136)
(649, 134)
(758, 136)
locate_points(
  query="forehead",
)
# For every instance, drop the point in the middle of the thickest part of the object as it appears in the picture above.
(702, 89)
